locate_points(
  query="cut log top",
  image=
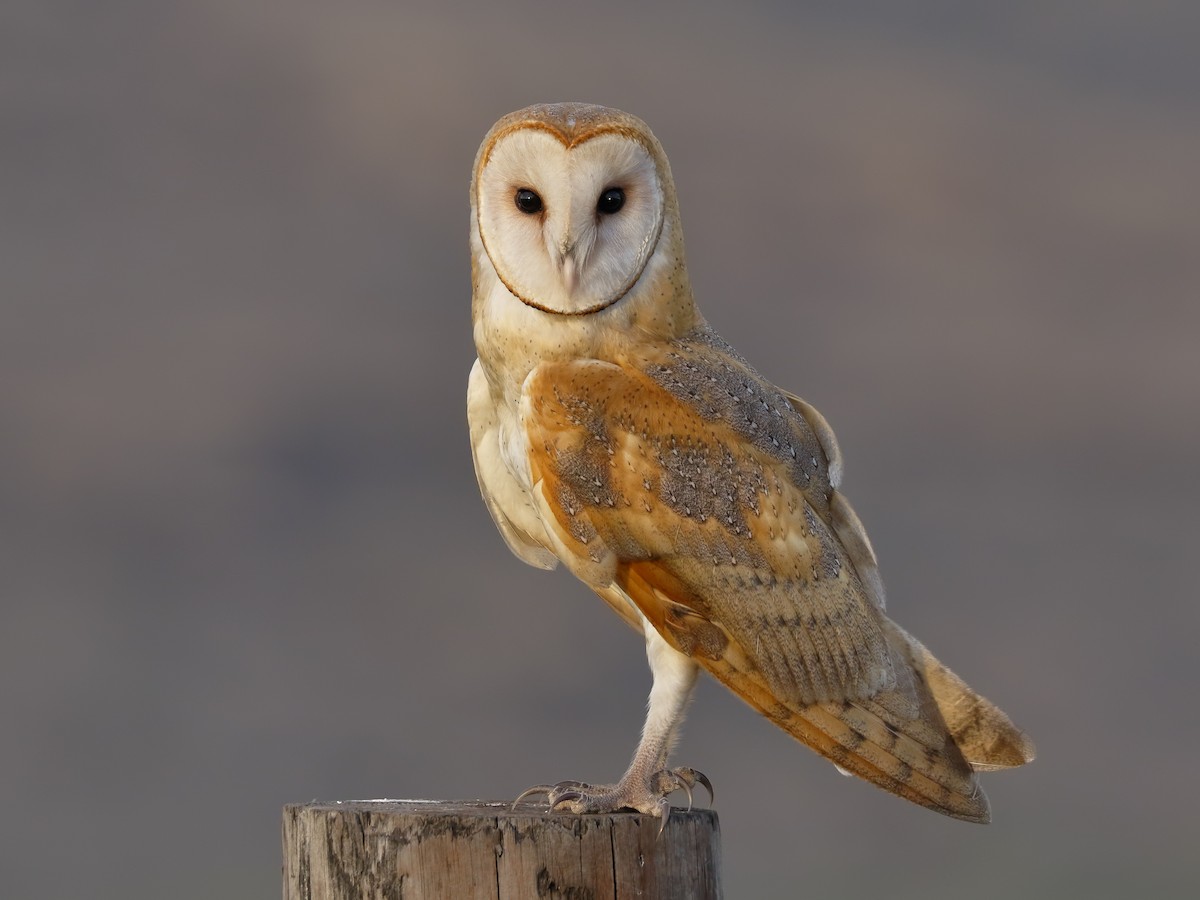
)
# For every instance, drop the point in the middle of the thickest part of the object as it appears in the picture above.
(421, 849)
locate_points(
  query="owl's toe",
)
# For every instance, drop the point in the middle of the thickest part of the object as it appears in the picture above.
(645, 795)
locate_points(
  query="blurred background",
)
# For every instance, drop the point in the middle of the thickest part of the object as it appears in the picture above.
(243, 559)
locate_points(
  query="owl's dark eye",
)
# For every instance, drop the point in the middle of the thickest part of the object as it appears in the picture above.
(528, 201)
(610, 201)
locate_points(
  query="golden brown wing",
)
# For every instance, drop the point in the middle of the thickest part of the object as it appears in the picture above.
(742, 544)
(686, 483)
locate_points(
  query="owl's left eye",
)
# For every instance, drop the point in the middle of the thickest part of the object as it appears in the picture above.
(610, 201)
(528, 201)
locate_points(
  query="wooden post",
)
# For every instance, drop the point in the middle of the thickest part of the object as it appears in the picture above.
(424, 849)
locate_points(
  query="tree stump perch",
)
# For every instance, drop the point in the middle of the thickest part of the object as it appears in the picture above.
(421, 850)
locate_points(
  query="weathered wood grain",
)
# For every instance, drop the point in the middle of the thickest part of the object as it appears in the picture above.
(421, 850)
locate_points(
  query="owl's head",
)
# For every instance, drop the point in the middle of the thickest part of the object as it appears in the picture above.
(574, 210)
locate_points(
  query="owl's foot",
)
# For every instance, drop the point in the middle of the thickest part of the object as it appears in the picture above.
(646, 795)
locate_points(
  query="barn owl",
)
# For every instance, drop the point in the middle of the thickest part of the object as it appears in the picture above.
(613, 431)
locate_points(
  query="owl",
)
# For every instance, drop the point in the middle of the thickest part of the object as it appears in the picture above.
(615, 432)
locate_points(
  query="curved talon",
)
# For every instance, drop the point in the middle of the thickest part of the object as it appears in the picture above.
(692, 777)
(528, 792)
(664, 813)
(687, 789)
(684, 779)
(564, 797)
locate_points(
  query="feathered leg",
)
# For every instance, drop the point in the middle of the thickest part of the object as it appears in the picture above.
(647, 782)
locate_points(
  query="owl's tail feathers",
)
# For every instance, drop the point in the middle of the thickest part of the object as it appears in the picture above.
(986, 736)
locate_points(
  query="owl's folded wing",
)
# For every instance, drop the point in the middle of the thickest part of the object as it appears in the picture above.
(739, 567)
(629, 471)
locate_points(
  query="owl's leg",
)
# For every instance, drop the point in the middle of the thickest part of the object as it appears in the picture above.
(647, 782)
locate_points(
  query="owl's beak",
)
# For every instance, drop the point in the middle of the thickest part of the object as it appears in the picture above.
(570, 271)
(572, 253)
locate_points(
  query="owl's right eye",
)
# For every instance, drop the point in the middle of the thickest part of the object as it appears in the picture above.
(528, 201)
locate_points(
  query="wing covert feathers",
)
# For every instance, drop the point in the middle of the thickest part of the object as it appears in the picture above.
(681, 483)
(824, 435)
(739, 523)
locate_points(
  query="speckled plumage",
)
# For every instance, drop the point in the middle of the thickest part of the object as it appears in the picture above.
(614, 431)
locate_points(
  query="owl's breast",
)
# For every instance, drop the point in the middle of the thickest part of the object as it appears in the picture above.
(501, 456)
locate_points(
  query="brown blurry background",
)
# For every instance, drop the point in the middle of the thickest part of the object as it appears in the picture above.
(243, 560)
